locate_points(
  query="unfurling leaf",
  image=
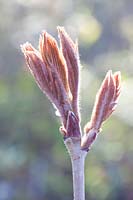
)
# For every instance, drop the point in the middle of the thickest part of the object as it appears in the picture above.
(71, 55)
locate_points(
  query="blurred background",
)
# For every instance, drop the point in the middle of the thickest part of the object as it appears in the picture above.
(34, 164)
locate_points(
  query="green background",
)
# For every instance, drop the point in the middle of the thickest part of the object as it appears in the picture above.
(34, 164)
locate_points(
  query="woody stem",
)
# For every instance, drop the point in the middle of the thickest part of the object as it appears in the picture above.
(78, 160)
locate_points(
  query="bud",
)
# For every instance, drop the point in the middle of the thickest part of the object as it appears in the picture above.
(72, 127)
(57, 75)
(105, 104)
